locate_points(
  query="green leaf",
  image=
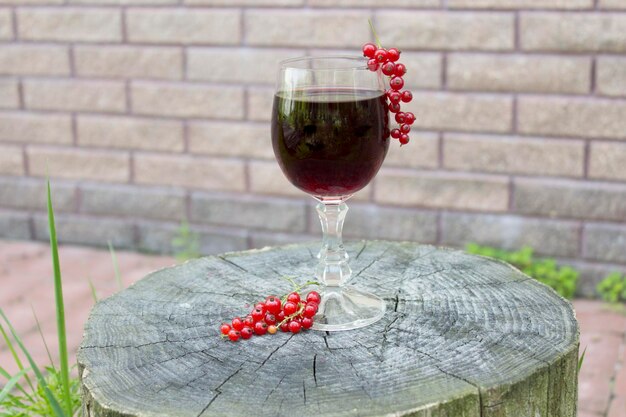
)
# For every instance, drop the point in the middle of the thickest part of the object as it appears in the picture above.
(94, 294)
(60, 307)
(16, 358)
(58, 411)
(581, 359)
(116, 267)
(43, 339)
(11, 383)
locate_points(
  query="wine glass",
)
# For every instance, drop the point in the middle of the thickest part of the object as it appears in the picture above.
(330, 136)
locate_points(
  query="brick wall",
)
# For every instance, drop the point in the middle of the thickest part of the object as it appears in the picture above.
(147, 111)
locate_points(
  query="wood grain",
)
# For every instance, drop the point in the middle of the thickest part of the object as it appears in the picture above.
(464, 336)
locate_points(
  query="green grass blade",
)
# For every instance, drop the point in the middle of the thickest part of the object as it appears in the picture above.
(60, 308)
(43, 339)
(58, 411)
(116, 267)
(16, 358)
(580, 361)
(94, 293)
(5, 374)
(11, 383)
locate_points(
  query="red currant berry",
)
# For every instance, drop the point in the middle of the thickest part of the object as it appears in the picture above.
(393, 54)
(400, 117)
(369, 49)
(395, 133)
(237, 324)
(224, 329)
(407, 96)
(380, 55)
(394, 107)
(257, 314)
(272, 304)
(248, 321)
(314, 297)
(394, 97)
(388, 68)
(260, 306)
(307, 322)
(294, 297)
(270, 318)
(246, 332)
(405, 128)
(284, 327)
(404, 139)
(272, 329)
(260, 328)
(372, 64)
(396, 83)
(400, 70)
(280, 316)
(409, 118)
(294, 326)
(234, 335)
(289, 308)
(310, 310)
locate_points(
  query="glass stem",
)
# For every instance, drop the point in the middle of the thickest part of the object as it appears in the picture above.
(333, 269)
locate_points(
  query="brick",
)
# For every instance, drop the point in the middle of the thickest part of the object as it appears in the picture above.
(31, 2)
(521, 4)
(158, 237)
(9, 95)
(35, 128)
(267, 178)
(133, 201)
(217, 138)
(612, 4)
(30, 194)
(423, 152)
(259, 104)
(605, 242)
(424, 69)
(125, 2)
(504, 154)
(186, 100)
(446, 111)
(577, 32)
(6, 24)
(254, 3)
(607, 160)
(188, 171)
(249, 212)
(368, 221)
(130, 133)
(374, 3)
(436, 30)
(11, 160)
(34, 60)
(129, 62)
(546, 237)
(92, 231)
(572, 117)
(523, 73)
(14, 225)
(570, 199)
(75, 95)
(189, 26)
(79, 164)
(237, 65)
(308, 28)
(611, 76)
(69, 24)
(259, 239)
(441, 190)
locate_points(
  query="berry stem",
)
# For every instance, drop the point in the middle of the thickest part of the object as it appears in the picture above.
(296, 314)
(374, 33)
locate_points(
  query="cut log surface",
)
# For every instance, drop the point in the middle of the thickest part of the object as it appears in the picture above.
(463, 336)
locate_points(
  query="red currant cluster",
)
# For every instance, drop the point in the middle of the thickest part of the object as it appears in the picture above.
(387, 61)
(289, 315)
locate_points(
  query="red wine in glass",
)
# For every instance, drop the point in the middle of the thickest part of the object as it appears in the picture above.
(330, 142)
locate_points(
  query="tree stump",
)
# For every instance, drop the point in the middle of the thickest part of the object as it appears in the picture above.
(463, 336)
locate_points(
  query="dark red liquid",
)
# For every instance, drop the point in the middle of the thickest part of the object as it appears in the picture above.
(330, 142)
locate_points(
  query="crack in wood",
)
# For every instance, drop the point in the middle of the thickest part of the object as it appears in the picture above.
(218, 390)
(274, 351)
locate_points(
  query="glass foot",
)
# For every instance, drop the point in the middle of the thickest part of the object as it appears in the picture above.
(346, 308)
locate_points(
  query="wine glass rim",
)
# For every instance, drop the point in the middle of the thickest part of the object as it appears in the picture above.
(359, 63)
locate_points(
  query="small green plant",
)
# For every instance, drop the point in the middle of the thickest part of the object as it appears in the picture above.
(186, 243)
(613, 288)
(562, 279)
